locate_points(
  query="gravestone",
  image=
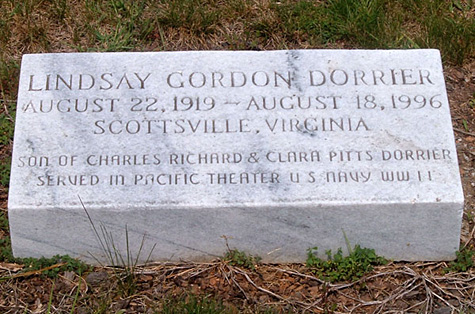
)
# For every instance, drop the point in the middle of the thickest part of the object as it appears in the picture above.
(274, 152)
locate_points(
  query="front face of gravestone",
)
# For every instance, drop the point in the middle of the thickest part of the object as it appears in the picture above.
(280, 151)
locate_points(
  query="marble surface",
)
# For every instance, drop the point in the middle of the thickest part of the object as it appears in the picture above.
(279, 151)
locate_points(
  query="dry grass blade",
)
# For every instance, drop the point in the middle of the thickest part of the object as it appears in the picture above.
(408, 287)
(232, 270)
(292, 272)
(10, 267)
(237, 270)
(464, 132)
(419, 282)
(33, 272)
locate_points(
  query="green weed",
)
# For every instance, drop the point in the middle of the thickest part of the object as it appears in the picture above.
(340, 268)
(463, 262)
(465, 125)
(239, 258)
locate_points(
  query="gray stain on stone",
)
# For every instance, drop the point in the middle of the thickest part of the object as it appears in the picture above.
(292, 59)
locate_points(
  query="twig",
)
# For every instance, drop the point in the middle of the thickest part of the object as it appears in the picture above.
(334, 287)
(292, 272)
(225, 273)
(239, 287)
(202, 270)
(464, 132)
(415, 305)
(440, 288)
(429, 294)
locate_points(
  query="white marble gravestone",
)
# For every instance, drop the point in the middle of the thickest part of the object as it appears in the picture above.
(278, 151)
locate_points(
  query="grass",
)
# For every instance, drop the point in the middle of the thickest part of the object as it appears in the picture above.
(125, 267)
(115, 25)
(446, 25)
(361, 22)
(192, 15)
(9, 69)
(193, 304)
(5, 167)
(207, 304)
(124, 25)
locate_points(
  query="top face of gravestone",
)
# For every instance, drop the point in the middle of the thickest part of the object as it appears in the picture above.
(221, 128)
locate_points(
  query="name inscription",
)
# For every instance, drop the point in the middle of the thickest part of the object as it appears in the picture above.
(303, 123)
